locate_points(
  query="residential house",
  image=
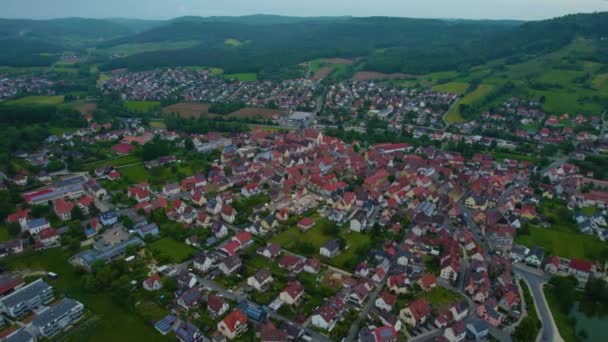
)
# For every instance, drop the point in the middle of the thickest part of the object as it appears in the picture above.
(233, 325)
(216, 306)
(152, 283)
(417, 312)
(330, 249)
(261, 280)
(292, 294)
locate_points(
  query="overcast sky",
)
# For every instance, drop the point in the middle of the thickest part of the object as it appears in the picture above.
(165, 9)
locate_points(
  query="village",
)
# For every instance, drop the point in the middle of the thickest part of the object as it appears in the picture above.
(298, 235)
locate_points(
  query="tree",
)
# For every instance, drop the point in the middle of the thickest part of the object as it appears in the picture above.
(14, 229)
(77, 213)
(189, 144)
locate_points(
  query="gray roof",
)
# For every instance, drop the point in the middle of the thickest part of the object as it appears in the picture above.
(89, 257)
(19, 336)
(25, 293)
(56, 311)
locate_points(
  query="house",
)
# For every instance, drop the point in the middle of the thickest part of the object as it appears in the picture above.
(359, 222)
(449, 269)
(188, 332)
(261, 280)
(54, 319)
(228, 214)
(398, 284)
(204, 262)
(250, 190)
(313, 266)
(488, 312)
(271, 251)
(427, 282)
(291, 263)
(460, 311)
(123, 148)
(27, 298)
(477, 332)
(230, 264)
(48, 237)
(63, 209)
(35, 226)
(535, 257)
(145, 229)
(233, 325)
(456, 332)
(108, 218)
(417, 312)
(551, 264)
(386, 301)
(219, 230)
(330, 249)
(190, 299)
(269, 333)
(292, 294)
(518, 253)
(152, 283)
(581, 269)
(324, 318)
(214, 206)
(306, 223)
(171, 189)
(216, 306)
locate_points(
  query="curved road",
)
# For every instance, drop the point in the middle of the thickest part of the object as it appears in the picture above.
(536, 279)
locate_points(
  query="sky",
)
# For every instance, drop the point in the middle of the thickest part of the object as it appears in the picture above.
(167, 9)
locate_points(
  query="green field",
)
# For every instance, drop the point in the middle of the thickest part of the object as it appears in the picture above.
(454, 115)
(452, 87)
(565, 244)
(530, 326)
(441, 298)
(113, 322)
(4, 233)
(142, 106)
(243, 77)
(36, 100)
(116, 162)
(232, 42)
(174, 250)
(562, 321)
(135, 48)
(292, 238)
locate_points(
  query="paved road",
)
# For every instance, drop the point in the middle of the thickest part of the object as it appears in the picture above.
(536, 279)
(354, 328)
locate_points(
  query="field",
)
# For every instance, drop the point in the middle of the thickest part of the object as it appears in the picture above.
(371, 76)
(565, 244)
(37, 100)
(114, 323)
(174, 250)
(243, 77)
(442, 298)
(250, 112)
(86, 108)
(142, 106)
(116, 162)
(343, 61)
(135, 48)
(454, 115)
(292, 238)
(187, 109)
(4, 233)
(232, 42)
(452, 87)
(323, 72)
(158, 124)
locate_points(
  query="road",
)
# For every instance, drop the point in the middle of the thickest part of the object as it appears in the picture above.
(354, 328)
(536, 279)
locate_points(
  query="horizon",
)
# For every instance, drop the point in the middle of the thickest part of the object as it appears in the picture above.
(521, 10)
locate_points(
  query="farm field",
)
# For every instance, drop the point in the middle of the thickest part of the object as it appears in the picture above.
(187, 109)
(135, 48)
(250, 112)
(371, 76)
(452, 87)
(243, 77)
(37, 100)
(232, 42)
(142, 106)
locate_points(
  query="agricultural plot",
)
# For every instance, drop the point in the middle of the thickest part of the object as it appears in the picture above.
(142, 106)
(454, 115)
(36, 101)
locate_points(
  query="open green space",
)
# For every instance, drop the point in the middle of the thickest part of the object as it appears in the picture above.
(454, 115)
(562, 321)
(142, 106)
(452, 87)
(243, 77)
(441, 298)
(135, 48)
(233, 42)
(565, 244)
(36, 101)
(167, 247)
(530, 326)
(4, 235)
(309, 242)
(113, 323)
(116, 162)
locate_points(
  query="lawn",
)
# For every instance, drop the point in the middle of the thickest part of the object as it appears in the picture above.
(243, 77)
(565, 244)
(37, 100)
(441, 298)
(452, 87)
(454, 116)
(589, 211)
(4, 233)
(142, 106)
(562, 321)
(232, 42)
(116, 162)
(158, 124)
(114, 323)
(174, 250)
(309, 242)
